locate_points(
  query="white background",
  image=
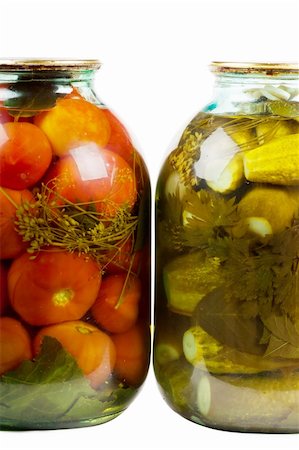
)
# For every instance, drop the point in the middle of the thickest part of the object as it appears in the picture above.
(155, 76)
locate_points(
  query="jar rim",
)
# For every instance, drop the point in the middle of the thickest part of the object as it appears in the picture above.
(262, 68)
(25, 65)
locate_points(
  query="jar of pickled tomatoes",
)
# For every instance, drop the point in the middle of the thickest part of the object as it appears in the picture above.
(75, 272)
(226, 348)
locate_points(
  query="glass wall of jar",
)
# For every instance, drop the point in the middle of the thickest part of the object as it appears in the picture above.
(226, 349)
(75, 254)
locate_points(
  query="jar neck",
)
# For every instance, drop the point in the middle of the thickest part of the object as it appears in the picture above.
(59, 76)
(18, 83)
(232, 91)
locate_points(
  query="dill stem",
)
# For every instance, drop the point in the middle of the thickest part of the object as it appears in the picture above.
(120, 299)
(8, 197)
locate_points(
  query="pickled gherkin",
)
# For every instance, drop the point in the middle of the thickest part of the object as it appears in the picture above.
(275, 162)
(205, 352)
(227, 260)
(263, 398)
(187, 279)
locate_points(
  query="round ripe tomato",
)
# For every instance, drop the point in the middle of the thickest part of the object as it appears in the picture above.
(122, 258)
(116, 307)
(132, 349)
(25, 155)
(93, 350)
(11, 243)
(119, 141)
(15, 344)
(89, 174)
(53, 287)
(3, 288)
(73, 122)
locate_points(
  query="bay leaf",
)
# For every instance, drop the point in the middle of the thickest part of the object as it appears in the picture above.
(226, 321)
(278, 348)
(284, 340)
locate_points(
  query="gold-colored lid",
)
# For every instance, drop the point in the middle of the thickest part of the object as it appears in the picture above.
(19, 65)
(261, 68)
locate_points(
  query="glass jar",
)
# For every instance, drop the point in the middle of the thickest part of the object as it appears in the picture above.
(75, 272)
(226, 347)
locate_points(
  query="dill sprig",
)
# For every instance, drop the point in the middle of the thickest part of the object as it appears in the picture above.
(183, 158)
(52, 221)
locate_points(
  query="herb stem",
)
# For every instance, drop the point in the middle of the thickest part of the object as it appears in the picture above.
(3, 191)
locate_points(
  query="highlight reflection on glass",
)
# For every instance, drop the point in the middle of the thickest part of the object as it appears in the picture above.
(90, 162)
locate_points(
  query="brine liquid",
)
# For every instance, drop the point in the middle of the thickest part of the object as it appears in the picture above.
(75, 260)
(226, 349)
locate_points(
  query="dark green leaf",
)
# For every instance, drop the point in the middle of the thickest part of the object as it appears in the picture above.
(211, 209)
(228, 324)
(28, 98)
(209, 216)
(53, 364)
(284, 339)
(45, 388)
(52, 389)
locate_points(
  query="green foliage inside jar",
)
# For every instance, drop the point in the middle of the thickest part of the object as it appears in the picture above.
(227, 267)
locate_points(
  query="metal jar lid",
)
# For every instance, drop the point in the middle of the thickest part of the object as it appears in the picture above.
(258, 68)
(61, 65)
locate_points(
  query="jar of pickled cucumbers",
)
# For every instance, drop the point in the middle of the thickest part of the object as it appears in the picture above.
(74, 224)
(226, 348)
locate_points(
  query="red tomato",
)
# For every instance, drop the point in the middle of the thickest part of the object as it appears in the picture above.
(53, 287)
(73, 122)
(122, 258)
(119, 141)
(89, 174)
(15, 344)
(132, 349)
(11, 243)
(25, 155)
(116, 308)
(93, 350)
(3, 288)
